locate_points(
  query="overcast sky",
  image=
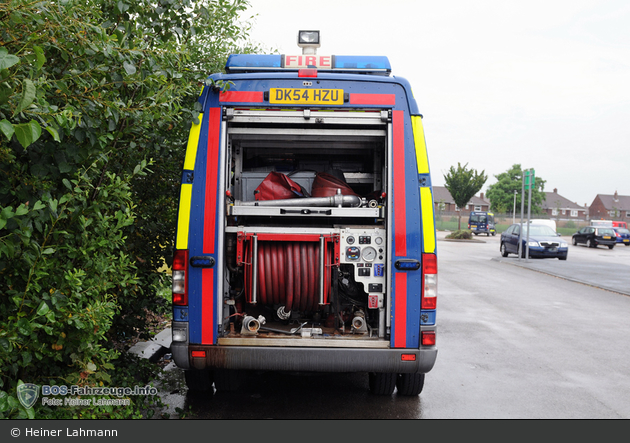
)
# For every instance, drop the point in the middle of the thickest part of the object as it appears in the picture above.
(545, 84)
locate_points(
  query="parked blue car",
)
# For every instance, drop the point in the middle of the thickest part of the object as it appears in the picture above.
(544, 242)
(623, 235)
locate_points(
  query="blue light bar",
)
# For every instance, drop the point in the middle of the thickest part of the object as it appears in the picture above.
(253, 62)
(337, 63)
(362, 63)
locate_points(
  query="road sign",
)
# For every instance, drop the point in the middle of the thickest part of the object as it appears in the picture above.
(530, 176)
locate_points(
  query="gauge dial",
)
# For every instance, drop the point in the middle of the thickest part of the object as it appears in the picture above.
(378, 240)
(369, 254)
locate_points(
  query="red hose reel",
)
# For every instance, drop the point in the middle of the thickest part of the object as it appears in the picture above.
(288, 269)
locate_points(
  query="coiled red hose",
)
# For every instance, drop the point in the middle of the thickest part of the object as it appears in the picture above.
(288, 274)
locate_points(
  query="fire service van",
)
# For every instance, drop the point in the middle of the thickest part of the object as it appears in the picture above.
(305, 237)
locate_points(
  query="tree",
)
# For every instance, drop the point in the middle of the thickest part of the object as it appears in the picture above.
(463, 184)
(96, 100)
(501, 193)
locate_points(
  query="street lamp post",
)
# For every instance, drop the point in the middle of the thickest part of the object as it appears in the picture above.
(514, 209)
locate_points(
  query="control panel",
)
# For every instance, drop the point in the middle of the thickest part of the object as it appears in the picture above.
(364, 247)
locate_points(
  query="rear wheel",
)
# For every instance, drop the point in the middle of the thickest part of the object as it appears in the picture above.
(198, 380)
(589, 243)
(410, 384)
(382, 383)
(611, 246)
(574, 242)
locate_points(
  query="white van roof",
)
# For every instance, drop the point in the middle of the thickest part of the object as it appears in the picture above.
(543, 221)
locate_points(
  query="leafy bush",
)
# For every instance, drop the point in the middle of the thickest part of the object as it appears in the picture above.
(64, 265)
(89, 92)
(462, 234)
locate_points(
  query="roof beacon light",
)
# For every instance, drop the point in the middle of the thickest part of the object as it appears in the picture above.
(309, 41)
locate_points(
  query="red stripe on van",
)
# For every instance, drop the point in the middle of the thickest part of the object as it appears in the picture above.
(372, 99)
(210, 223)
(242, 96)
(207, 306)
(212, 180)
(400, 310)
(400, 207)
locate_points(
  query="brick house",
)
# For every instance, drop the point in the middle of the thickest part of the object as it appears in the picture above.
(443, 201)
(606, 206)
(558, 206)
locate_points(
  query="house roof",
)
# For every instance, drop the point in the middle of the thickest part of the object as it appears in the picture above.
(553, 200)
(620, 202)
(441, 194)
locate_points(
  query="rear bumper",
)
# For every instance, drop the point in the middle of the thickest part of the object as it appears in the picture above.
(483, 230)
(603, 242)
(304, 359)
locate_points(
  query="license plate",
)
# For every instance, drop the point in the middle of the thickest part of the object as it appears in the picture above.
(626, 240)
(473, 226)
(606, 237)
(306, 96)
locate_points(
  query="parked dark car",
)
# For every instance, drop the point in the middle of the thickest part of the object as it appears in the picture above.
(544, 242)
(593, 236)
(623, 235)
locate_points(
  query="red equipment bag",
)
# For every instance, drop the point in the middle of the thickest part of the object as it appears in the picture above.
(277, 186)
(326, 185)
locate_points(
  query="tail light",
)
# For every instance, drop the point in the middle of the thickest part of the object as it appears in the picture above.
(180, 279)
(428, 338)
(429, 273)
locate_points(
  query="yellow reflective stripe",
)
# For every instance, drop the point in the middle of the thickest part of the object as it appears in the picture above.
(185, 198)
(428, 223)
(426, 197)
(193, 142)
(421, 148)
(185, 193)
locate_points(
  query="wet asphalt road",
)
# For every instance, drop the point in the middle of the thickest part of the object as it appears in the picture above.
(523, 339)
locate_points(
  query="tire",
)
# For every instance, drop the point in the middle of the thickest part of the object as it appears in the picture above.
(562, 257)
(626, 244)
(574, 242)
(410, 384)
(227, 380)
(589, 243)
(382, 383)
(198, 380)
(504, 252)
(611, 246)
